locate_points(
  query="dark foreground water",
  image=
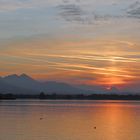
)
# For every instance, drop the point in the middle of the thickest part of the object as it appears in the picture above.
(69, 120)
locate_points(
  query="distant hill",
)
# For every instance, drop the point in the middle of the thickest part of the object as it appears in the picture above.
(63, 88)
(11, 88)
(24, 84)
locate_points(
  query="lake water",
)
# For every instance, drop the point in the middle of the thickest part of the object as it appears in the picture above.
(69, 120)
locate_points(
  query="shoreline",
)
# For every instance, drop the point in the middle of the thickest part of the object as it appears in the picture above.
(69, 97)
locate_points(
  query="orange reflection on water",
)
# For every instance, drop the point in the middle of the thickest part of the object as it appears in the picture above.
(71, 120)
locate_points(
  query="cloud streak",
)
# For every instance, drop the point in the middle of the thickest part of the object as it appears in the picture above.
(12, 5)
(134, 10)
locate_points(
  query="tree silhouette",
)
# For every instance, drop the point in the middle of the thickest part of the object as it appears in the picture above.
(42, 95)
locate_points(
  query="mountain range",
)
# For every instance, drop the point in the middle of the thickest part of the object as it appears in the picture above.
(24, 84)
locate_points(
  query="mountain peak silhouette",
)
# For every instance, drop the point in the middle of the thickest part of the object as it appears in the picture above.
(15, 76)
(25, 76)
(27, 85)
(12, 76)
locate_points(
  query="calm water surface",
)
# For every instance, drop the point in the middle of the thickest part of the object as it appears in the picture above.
(69, 120)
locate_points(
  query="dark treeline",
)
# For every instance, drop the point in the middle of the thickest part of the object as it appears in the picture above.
(70, 97)
(7, 96)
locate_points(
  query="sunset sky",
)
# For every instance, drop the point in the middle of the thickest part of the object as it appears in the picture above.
(93, 42)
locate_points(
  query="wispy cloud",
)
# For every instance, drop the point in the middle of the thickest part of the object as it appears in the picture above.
(88, 57)
(134, 10)
(43, 62)
(91, 12)
(12, 5)
(71, 12)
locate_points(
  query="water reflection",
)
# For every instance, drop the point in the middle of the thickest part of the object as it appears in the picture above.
(69, 120)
